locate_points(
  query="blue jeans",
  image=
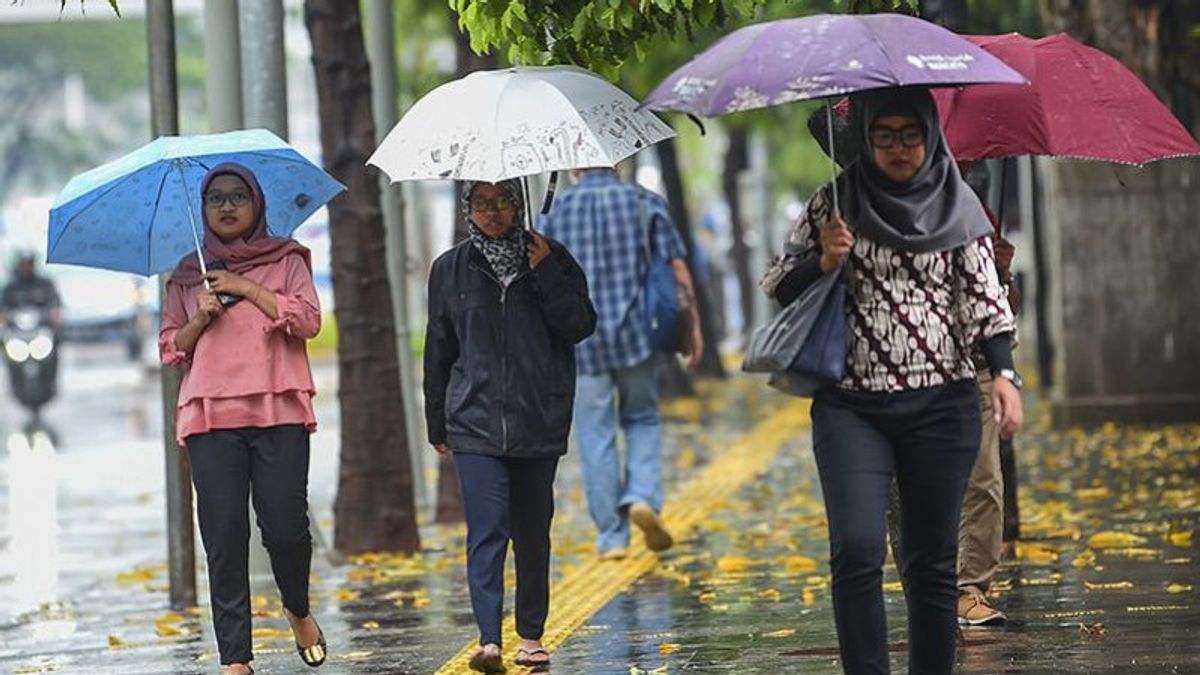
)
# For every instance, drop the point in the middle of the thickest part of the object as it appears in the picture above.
(628, 397)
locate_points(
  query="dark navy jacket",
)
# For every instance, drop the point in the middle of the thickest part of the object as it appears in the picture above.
(500, 362)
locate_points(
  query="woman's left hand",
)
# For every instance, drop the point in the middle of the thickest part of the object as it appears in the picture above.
(1006, 407)
(222, 281)
(538, 249)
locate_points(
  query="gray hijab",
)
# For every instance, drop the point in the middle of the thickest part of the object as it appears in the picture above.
(935, 210)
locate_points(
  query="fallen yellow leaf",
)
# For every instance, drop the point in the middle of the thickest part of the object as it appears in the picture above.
(1108, 586)
(1093, 494)
(1115, 540)
(371, 625)
(1179, 588)
(346, 595)
(1180, 539)
(1085, 559)
(770, 594)
(1036, 554)
(667, 648)
(733, 563)
(168, 630)
(798, 564)
(893, 587)
(115, 642)
(708, 597)
(809, 597)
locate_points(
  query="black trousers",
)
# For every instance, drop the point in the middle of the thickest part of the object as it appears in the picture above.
(928, 440)
(508, 499)
(228, 467)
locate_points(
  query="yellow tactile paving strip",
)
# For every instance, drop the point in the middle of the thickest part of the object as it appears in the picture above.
(575, 598)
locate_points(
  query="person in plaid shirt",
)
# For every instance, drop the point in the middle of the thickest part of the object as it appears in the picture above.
(603, 222)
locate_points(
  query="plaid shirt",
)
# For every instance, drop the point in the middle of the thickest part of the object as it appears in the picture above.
(600, 223)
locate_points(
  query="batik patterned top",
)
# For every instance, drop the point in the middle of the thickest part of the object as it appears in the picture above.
(912, 318)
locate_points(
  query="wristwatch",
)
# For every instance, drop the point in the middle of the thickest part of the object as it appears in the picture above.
(1010, 375)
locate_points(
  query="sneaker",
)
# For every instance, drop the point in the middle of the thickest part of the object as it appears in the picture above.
(975, 610)
(614, 554)
(657, 537)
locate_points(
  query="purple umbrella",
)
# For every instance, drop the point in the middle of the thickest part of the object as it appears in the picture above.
(823, 55)
(820, 56)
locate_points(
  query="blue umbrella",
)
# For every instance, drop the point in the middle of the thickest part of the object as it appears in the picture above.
(140, 213)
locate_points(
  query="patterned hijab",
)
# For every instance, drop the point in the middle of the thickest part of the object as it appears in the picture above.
(933, 211)
(507, 253)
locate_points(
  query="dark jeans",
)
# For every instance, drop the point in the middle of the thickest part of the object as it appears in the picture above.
(228, 466)
(928, 440)
(508, 499)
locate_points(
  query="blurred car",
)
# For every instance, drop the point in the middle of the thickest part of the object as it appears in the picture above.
(100, 306)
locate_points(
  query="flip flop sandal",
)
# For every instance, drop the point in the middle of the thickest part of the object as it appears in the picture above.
(483, 662)
(524, 654)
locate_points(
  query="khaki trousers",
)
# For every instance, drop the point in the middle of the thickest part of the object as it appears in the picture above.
(981, 526)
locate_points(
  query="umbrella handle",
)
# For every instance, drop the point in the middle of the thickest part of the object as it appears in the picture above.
(550, 189)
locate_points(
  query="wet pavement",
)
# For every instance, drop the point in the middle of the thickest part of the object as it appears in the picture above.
(1105, 580)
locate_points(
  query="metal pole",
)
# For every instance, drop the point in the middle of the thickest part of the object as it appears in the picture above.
(264, 72)
(164, 116)
(223, 65)
(381, 49)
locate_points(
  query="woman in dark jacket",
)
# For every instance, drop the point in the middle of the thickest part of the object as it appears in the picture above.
(506, 308)
(923, 294)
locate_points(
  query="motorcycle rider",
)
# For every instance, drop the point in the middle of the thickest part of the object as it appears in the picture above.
(27, 288)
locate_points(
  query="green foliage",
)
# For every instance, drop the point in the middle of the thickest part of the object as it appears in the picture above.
(601, 35)
(989, 17)
(873, 6)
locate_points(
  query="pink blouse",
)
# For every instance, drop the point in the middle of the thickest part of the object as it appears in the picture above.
(246, 370)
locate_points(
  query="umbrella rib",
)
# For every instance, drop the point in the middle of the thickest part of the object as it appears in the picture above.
(99, 196)
(150, 225)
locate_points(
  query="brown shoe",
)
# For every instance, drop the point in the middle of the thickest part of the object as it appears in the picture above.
(657, 537)
(975, 610)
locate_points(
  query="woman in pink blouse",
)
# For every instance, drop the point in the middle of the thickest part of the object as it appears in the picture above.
(245, 406)
(923, 293)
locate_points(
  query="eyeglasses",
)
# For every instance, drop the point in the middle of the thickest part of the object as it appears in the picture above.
(885, 137)
(215, 200)
(496, 204)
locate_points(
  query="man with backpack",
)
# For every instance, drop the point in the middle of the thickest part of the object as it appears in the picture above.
(619, 232)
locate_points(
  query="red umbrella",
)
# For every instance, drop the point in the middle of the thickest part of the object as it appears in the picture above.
(1080, 103)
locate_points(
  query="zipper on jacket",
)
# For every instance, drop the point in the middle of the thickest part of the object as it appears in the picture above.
(503, 353)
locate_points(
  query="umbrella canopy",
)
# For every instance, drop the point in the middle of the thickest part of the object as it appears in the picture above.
(140, 213)
(1081, 103)
(823, 55)
(498, 124)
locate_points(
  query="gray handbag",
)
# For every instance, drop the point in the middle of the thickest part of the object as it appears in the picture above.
(775, 345)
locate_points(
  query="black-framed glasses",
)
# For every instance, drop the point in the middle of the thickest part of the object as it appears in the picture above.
(909, 136)
(215, 200)
(482, 204)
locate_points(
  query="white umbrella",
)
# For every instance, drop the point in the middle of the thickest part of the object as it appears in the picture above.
(497, 124)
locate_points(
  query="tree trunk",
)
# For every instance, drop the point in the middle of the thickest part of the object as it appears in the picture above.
(668, 161)
(374, 508)
(736, 161)
(1127, 336)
